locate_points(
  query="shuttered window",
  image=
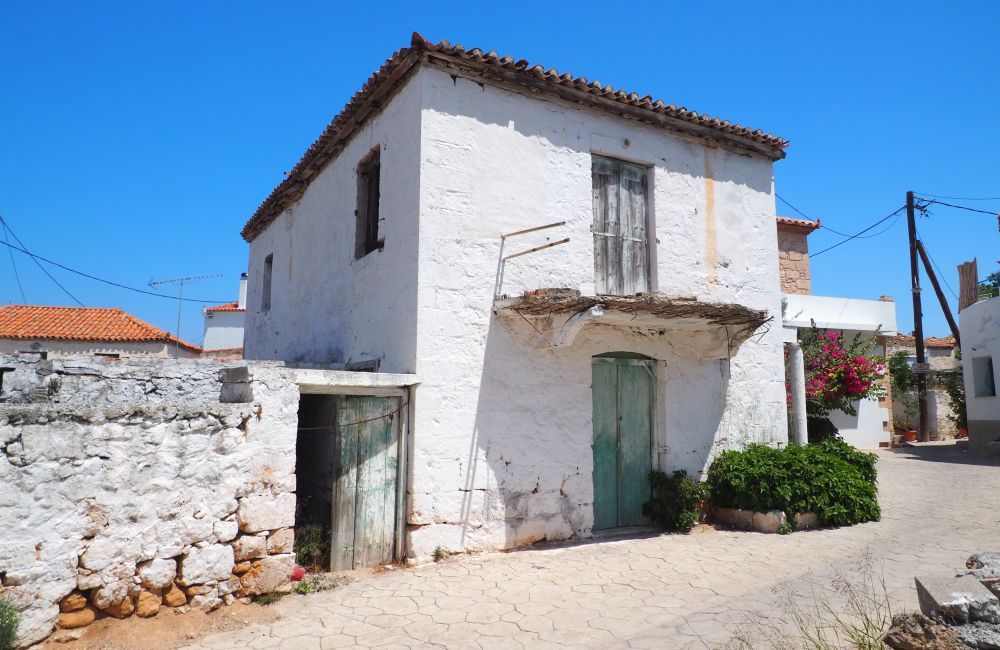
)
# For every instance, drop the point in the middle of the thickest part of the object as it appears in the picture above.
(621, 246)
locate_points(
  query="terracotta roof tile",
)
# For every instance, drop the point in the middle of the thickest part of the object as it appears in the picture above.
(490, 66)
(27, 322)
(798, 224)
(229, 306)
(936, 342)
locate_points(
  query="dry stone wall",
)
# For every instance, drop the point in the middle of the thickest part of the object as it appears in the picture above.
(131, 499)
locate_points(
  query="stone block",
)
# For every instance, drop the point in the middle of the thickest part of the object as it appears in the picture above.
(157, 573)
(174, 597)
(261, 512)
(958, 600)
(770, 521)
(200, 565)
(88, 582)
(206, 603)
(918, 632)
(273, 573)
(147, 604)
(110, 594)
(281, 541)
(249, 547)
(122, 609)
(225, 531)
(72, 603)
(733, 517)
(985, 567)
(77, 618)
(806, 520)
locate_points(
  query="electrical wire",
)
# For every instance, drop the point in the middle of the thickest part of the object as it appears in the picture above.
(825, 227)
(25, 250)
(114, 284)
(992, 213)
(14, 265)
(960, 198)
(861, 232)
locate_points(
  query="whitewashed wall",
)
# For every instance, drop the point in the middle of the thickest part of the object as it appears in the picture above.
(326, 306)
(980, 330)
(74, 348)
(224, 330)
(501, 448)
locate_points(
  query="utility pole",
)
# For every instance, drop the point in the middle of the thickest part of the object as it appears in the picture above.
(180, 301)
(918, 323)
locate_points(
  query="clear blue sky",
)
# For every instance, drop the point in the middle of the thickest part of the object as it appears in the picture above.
(137, 138)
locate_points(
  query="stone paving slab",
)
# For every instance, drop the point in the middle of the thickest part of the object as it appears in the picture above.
(676, 591)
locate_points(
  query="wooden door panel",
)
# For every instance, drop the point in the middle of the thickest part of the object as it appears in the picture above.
(345, 486)
(605, 444)
(635, 439)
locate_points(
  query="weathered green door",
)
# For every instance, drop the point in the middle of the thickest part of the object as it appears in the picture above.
(364, 489)
(623, 439)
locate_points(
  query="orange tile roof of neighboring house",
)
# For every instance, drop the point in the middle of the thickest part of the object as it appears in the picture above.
(936, 342)
(229, 306)
(802, 225)
(80, 324)
(503, 70)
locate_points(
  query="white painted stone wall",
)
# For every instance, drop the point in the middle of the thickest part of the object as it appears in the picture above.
(326, 306)
(980, 332)
(501, 451)
(123, 506)
(56, 349)
(223, 330)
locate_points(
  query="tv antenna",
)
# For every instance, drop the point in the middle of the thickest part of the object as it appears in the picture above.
(180, 300)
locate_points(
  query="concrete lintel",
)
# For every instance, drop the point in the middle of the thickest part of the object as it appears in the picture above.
(346, 382)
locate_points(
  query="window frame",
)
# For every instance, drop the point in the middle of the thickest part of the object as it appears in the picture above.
(368, 210)
(266, 283)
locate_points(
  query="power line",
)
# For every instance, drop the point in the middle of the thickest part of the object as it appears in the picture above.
(33, 257)
(825, 227)
(992, 213)
(960, 198)
(13, 265)
(861, 232)
(114, 284)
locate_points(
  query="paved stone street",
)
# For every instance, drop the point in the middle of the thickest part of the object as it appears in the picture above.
(666, 591)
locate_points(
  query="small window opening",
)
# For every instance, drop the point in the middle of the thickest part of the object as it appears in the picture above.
(367, 235)
(983, 379)
(265, 297)
(363, 366)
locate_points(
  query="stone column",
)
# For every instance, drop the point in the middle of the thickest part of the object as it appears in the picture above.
(797, 379)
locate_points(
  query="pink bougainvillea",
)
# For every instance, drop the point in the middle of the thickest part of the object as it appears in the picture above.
(839, 374)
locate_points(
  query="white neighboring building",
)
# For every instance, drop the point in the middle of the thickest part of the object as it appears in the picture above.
(980, 332)
(224, 326)
(867, 318)
(382, 251)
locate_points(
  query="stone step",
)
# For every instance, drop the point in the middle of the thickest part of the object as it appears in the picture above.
(957, 600)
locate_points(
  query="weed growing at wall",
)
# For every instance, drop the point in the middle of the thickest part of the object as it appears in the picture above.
(677, 500)
(832, 479)
(10, 618)
(312, 547)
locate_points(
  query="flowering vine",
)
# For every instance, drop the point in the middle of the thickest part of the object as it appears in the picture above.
(838, 374)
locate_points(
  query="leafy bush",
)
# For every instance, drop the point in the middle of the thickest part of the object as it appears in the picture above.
(10, 618)
(820, 429)
(953, 383)
(676, 502)
(832, 479)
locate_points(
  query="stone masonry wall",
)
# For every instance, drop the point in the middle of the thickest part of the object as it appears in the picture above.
(130, 486)
(793, 260)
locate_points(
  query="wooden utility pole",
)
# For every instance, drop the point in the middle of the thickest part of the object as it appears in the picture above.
(940, 294)
(920, 370)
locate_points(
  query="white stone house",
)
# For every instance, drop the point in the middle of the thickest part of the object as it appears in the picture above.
(980, 334)
(394, 246)
(224, 326)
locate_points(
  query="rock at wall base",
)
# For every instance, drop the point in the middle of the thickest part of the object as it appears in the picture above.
(273, 573)
(123, 609)
(76, 618)
(65, 636)
(206, 603)
(73, 603)
(174, 597)
(958, 600)
(147, 604)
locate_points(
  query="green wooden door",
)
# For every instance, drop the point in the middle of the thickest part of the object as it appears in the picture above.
(364, 489)
(623, 439)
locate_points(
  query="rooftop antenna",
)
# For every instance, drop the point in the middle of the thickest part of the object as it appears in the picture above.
(180, 300)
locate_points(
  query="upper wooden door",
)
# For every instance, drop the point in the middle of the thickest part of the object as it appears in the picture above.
(365, 483)
(623, 439)
(621, 245)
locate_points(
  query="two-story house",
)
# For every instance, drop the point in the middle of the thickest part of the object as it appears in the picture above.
(584, 281)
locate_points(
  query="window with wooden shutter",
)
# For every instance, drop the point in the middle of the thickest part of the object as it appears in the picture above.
(367, 236)
(621, 254)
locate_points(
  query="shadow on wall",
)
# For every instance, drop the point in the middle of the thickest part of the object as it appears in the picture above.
(529, 471)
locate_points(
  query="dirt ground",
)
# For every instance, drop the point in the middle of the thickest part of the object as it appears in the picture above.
(173, 628)
(167, 630)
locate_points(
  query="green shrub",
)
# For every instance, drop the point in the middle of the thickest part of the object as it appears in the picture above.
(832, 479)
(676, 502)
(312, 547)
(10, 618)
(819, 429)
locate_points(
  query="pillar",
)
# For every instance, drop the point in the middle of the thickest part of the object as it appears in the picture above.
(797, 379)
